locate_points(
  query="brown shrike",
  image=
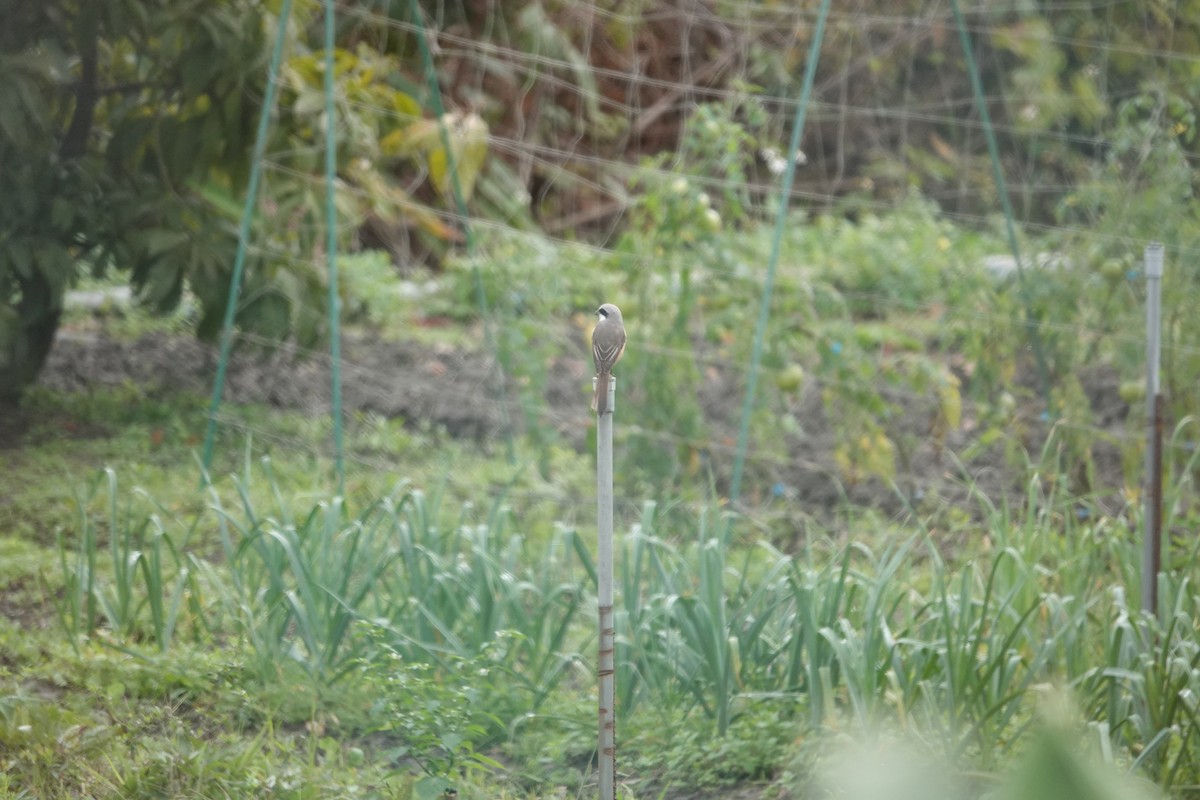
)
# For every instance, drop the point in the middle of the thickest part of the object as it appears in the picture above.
(608, 343)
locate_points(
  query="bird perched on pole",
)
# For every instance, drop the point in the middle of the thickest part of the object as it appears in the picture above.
(608, 343)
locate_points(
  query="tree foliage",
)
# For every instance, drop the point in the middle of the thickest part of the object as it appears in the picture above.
(110, 112)
(126, 130)
(126, 127)
(892, 110)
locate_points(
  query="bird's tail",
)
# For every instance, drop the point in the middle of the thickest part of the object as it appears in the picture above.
(600, 397)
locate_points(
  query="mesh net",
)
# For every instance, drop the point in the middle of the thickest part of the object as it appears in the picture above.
(633, 153)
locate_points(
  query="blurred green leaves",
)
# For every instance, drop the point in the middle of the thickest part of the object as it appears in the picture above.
(126, 134)
(1055, 768)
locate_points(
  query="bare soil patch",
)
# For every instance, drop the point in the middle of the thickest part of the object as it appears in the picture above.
(457, 389)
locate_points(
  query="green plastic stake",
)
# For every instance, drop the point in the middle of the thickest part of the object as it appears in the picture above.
(460, 203)
(239, 261)
(989, 135)
(764, 308)
(335, 314)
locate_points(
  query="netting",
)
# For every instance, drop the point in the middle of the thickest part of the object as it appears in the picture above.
(504, 169)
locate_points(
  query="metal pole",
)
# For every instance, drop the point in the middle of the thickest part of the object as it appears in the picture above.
(1152, 536)
(604, 528)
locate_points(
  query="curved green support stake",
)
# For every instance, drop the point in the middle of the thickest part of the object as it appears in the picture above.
(764, 308)
(335, 313)
(439, 110)
(239, 261)
(460, 204)
(1002, 189)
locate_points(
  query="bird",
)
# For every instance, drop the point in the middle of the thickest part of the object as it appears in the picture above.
(608, 344)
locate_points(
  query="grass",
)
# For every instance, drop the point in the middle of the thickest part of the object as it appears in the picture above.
(431, 627)
(257, 634)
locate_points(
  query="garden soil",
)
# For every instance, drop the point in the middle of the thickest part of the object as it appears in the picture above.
(456, 390)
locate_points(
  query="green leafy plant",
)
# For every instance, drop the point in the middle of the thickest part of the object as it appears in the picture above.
(297, 584)
(141, 591)
(436, 719)
(1143, 190)
(129, 131)
(107, 134)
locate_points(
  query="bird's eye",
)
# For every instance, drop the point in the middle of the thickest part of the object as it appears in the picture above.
(601, 312)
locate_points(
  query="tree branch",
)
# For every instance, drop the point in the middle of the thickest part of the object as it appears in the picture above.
(75, 141)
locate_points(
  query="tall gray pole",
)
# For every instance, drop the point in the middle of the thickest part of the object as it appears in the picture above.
(1152, 536)
(604, 572)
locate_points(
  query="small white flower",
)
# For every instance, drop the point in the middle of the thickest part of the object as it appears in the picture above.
(775, 162)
